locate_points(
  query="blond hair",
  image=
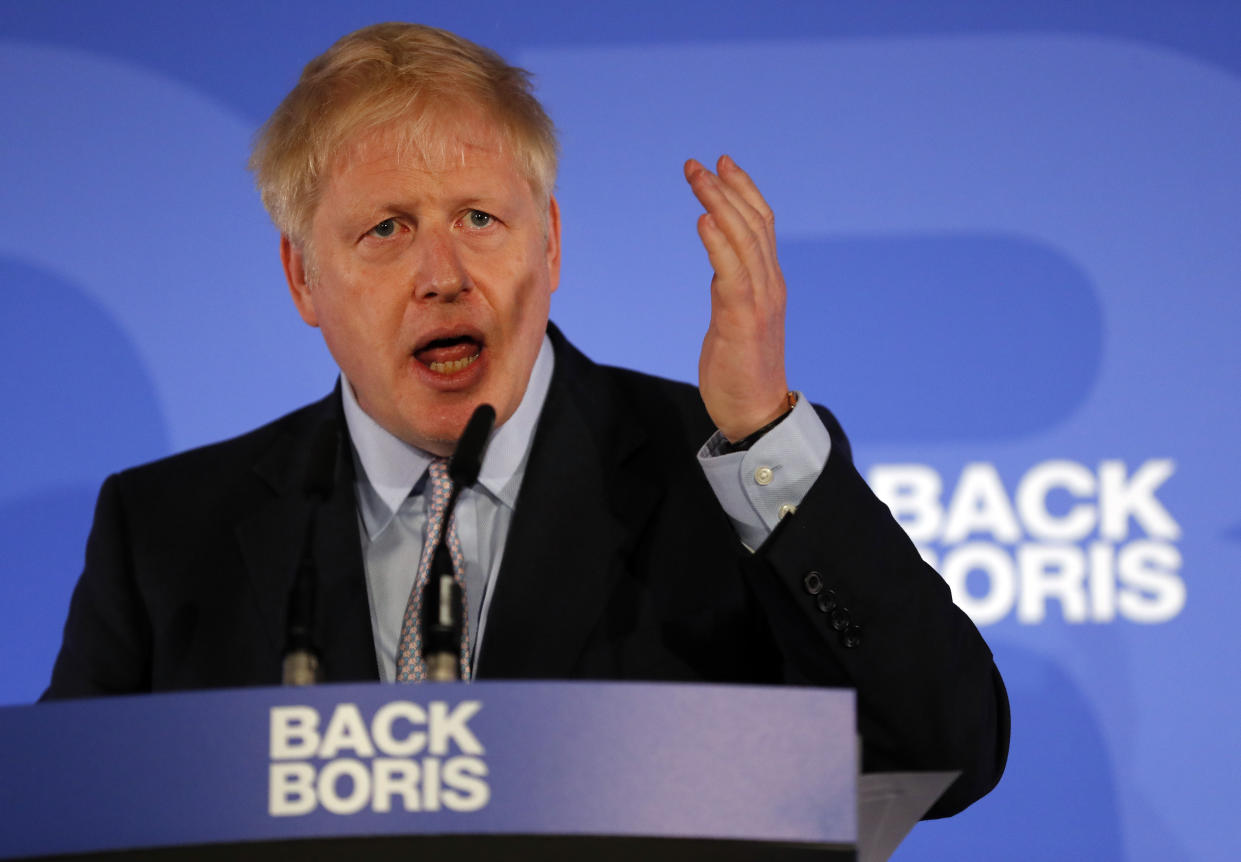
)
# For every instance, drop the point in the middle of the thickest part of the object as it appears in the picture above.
(404, 76)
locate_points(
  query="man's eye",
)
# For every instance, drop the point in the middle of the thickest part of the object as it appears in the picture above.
(384, 229)
(479, 219)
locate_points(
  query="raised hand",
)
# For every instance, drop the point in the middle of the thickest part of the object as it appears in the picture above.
(741, 368)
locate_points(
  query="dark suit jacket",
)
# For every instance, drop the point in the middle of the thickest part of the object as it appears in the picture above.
(620, 564)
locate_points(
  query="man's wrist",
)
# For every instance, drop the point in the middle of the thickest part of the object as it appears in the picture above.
(727, 447)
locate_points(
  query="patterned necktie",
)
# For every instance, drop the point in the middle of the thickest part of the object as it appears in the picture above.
(410, 666)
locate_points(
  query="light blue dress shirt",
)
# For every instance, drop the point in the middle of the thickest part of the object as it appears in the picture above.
(756, 488)
(761, 485)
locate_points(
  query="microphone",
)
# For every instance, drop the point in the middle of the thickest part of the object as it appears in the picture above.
(443, 603)
(467, 460)
(300, 665)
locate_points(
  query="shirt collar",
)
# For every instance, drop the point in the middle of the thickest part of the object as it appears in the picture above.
(389, 468)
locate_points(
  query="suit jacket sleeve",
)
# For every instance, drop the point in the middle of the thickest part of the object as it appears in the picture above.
(106, 645)
(845, 589)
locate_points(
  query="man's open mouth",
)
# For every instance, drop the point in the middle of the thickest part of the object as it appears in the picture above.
(449, 355)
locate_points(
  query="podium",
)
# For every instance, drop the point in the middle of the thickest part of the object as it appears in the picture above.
(489, 770)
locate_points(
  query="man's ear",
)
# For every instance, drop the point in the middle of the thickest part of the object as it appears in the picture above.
(293, 257)
(553, 241)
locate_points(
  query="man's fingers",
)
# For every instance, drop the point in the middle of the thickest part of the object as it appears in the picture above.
(725, 226)
(743, 186)
(709, 187)
(720, 251)
(745, 196)
(744, 227)
(739, 182)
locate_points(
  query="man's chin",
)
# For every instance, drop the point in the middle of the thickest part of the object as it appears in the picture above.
(440, 436)
(438, 440)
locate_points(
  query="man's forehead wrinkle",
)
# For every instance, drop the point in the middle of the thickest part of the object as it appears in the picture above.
(411, 149)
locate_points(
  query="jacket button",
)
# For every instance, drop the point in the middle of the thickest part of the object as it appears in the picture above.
(813, 583)
(840, 619)
(851, 637)
(826, 601)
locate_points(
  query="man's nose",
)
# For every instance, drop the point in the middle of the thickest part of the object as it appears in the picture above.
(439, 273)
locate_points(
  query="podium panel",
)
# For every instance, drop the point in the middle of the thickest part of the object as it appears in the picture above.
(476, 848)
(485, 771)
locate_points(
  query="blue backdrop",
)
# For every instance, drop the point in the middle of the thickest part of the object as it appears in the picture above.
(1010, 234)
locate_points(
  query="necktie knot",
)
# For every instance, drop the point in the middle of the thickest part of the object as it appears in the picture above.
(440, 490)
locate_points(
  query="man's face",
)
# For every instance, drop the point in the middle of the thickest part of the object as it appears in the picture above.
(431, 281)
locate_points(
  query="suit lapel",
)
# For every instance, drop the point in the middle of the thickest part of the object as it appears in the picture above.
(309, 470)
(578, 512)
(583, 502)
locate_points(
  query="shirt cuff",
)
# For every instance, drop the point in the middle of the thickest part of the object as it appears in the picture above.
(760, 486)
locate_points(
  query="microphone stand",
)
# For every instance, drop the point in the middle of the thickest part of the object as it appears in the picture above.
(300, 664)
(443, 612)
(443, 601)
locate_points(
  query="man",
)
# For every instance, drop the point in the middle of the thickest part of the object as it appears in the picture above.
(624, 527)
